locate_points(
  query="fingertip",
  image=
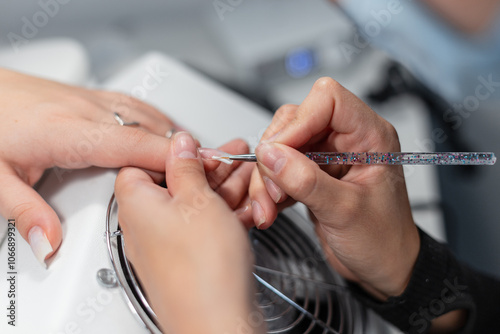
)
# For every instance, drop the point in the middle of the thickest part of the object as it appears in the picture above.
(259, 216)
(30, 213)
(264, 213)
(41, 228)
(275, 192)
(327, 84)
(271, 156)
(184, 146)
(184, 167)
(40, 244)
(263, 208)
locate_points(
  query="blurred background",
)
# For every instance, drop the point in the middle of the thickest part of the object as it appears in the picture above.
(440, 87)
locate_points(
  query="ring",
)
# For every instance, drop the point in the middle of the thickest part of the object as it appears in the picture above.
(122, 123)
(170, 133)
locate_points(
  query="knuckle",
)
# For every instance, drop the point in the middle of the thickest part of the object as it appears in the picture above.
(123, 178)
(388, 136)
(392, 137)
(285, 109)
(187, 169)
(31, 213)
(326, 84)
(122, 103)
(125, 185)
(306, 184)
(282, 116)
(20, 211)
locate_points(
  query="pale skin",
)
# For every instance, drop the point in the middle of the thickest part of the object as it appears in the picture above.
(47, 124)
(44, 124)
(362, 214)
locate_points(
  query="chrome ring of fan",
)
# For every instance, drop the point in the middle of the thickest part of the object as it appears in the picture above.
(297, 292)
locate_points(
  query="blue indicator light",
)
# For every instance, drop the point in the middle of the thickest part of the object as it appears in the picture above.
(299, 62)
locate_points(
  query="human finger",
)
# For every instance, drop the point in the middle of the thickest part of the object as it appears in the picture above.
(329, 105)
(235, 186)
(281, 117)
(131, 109)
(185, 175)
(263, 206)
(303, 180)
(218, 172)
(244, 212)
(109, 146)
(263, 210)
(135, 189)
(35, 220)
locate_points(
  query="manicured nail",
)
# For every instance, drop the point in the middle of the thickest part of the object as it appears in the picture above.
(274, 191)
(213, 154)
(271, 157)
(39, 243)
(185, 146)
(259, 216)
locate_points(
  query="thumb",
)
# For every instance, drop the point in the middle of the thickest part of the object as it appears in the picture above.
(35, 220)
(299, 177)
(184, 172)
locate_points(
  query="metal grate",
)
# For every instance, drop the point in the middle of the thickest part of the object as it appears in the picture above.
(297, 292)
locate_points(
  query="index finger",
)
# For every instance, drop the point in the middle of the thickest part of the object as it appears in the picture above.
(330, 106)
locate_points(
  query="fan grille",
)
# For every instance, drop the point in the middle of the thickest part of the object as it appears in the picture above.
(310, 297)
(296, 290)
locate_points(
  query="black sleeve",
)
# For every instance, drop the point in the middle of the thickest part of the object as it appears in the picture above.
(439, 284)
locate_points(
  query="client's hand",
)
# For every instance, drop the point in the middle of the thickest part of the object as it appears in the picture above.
(189, 249)
(362, 213)
(46, 124)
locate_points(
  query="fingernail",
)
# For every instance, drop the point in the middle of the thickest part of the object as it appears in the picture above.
(213, 154)
(259, 216)
(242, 210)
(271, 157)
(39, 243)
(274, 191)
(184, 146)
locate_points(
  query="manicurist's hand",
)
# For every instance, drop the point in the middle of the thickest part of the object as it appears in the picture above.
(46, 124)
(362, 213)
(186, 244)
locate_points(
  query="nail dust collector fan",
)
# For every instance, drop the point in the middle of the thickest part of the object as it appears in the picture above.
(297, 292)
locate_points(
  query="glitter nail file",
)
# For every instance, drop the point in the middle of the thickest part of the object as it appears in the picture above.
(390, 158)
